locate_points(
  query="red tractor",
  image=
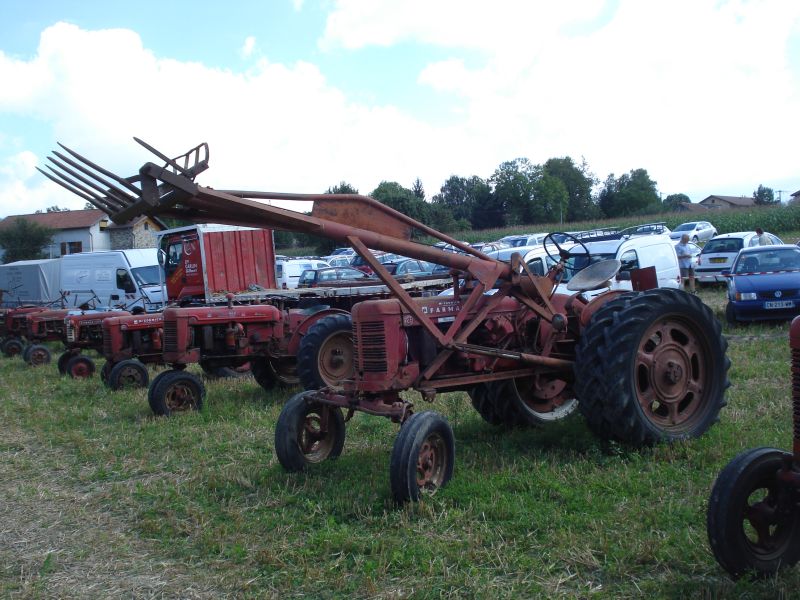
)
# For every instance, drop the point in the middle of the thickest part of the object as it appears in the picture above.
(641, 367)
(43, 326)
(83, 330)
(753, 519)
(15, 327)
(131, 342)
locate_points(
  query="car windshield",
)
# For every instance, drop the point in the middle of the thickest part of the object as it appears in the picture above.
(146, 275)
(786, 259)
(580, 261)
(685, 227)
(731, 245)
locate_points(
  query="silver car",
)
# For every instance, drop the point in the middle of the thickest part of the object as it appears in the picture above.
(719, 253)
(698, 231)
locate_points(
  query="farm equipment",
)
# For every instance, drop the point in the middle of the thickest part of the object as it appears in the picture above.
(753, 519)
(43, 326)
(83, 330)
(15, 327)
(642, 367)
(130, 342)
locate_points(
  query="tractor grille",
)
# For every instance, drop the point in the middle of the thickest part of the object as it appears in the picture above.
(170, 336)
(107, 349)
(369, 340)
(70, 332)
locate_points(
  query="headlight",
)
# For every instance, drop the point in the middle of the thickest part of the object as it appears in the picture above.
(746, 296)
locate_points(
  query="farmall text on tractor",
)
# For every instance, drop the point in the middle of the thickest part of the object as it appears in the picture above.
(641, 367)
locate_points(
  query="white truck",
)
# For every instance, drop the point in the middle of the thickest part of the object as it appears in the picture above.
(114, 278)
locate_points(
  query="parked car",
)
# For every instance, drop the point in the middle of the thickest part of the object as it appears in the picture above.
(340, 260)
(529, 239)
(698, 231)
(487, 246)
(333, 277)
(409, 268)
(764, 284)
(719, 252)
(287, 272)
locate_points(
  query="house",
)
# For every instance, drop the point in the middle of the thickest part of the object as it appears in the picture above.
(691, 207)
(728, 202)
(89, 230)
(795, 198)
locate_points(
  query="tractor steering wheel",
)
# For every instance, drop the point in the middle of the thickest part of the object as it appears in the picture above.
(563, 254)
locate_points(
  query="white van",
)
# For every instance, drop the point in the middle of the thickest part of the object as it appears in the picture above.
(114, 278)
(288, 271)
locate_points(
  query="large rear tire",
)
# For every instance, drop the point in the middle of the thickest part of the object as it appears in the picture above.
(325, 357)
(753, 521)
(652, 367)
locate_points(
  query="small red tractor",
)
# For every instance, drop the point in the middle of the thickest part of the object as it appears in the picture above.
(641, 367)
(83, 330)
(753, 518)
(15, 328)
(130, 342)
(43, 326)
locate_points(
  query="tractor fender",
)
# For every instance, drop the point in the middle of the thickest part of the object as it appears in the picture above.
(598, 302)
(305, 324)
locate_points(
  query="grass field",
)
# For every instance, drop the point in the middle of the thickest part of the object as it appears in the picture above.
(100, 499)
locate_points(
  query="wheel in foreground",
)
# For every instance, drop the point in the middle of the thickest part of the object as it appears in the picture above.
(753, 522)
(176, 391)
(80, 367)
(38, 355)
(652, 367)
(308, 432)
(422, 457)
(63, 359)
(127, 373)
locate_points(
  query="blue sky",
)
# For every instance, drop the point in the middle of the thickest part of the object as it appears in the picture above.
(297, 95)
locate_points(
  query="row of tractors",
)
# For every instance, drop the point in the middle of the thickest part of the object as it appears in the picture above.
(642, 367)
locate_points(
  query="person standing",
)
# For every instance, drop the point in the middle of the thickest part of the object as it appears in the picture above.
(685, 261)
(763, 238)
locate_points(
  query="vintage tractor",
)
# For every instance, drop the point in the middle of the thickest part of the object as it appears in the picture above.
(642, 367)
(753, 519)
(83, 330)
(15, 328)
(43, 326)
(131, 342)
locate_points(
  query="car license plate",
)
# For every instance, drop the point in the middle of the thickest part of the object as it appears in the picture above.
(719, 260)
(779, 304)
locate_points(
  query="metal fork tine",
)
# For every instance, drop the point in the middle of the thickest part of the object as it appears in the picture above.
(105, 172)
(75, 191)
(86, 192)
(162, 156)
(112, 192)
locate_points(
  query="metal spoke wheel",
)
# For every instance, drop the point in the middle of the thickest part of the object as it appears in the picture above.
(422, 457)
(80, 367)
(176, 391)
(37, 355)
(127, 373)
(308, 432)
(753, 521)
(326, 355)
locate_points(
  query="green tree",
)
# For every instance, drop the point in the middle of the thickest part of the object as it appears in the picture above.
(512, 189)
(578, 181)
(550, 199)
(764, 196)
(418, 190)
(632, 194)
(674, 201)
(403, 200)
(24, 240)
(342, 188)
(460, 195)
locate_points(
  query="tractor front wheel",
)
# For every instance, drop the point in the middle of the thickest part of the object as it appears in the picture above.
(62, 361)
(652, 367)
(422, 457)
(12, 347)
(753, 522)
(38, 355)
(176, 391)
(80, 367)
(127, 373)
(308, 432)
(325, 357)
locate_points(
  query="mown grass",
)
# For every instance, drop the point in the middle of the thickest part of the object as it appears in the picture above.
(98, 498)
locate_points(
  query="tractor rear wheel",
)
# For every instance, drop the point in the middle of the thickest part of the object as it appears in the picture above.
(154, 383)
(80, 367)
(308, 432)
(38, 355)
(422, 457)
(493, 403)
(12, 346)
(24, 353)
(127, 373)
(176, 391)
(652, 367)
(267, 371)
(753, 523)
(325, 357)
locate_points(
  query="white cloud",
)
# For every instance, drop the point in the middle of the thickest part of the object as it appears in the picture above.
(248, 47)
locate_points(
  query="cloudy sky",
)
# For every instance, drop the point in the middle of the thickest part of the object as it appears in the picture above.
(298, 95)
